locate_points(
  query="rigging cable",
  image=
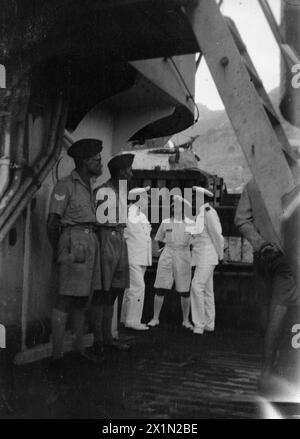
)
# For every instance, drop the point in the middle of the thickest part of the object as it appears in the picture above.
(189, 94)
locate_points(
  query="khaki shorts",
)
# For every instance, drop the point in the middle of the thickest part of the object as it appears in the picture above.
(275, 283)
(114, 258)
(79, 262)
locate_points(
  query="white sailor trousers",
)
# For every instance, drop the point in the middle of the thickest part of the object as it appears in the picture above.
(133, 300)
(202, 297)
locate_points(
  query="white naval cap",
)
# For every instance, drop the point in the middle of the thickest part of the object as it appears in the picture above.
(182, 200)
(203, 191)
(139, 190)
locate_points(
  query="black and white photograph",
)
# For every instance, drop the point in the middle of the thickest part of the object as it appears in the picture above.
(149, 212)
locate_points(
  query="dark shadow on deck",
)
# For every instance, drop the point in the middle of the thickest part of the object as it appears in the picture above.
(169, 374)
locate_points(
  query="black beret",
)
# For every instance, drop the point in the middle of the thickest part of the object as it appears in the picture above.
(121, 161)
(85, 148)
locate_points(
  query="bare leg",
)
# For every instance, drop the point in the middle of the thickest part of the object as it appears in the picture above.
(59, 321)
(108, 312)
(158, 303)
(272, 336)
(79, 314)
(185, 307)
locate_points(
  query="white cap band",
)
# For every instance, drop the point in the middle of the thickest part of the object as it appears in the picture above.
(183, 200)
(139, 190)
(203, 191)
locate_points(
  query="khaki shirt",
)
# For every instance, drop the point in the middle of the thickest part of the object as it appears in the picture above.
(252, 219)
(73, 201)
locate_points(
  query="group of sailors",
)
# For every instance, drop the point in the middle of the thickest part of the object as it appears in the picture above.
(100, 258)
(176, 236)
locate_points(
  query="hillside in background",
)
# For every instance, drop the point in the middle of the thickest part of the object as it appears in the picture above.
(218, 148)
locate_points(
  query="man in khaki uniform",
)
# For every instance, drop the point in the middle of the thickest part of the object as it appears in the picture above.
(71, 230)
(111, 216)
(274, 280)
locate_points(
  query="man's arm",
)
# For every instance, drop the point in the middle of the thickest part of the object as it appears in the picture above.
(160, 236)
(53, 229)
(58, 203)
(161, 245)
(245, 222)
(214, 230)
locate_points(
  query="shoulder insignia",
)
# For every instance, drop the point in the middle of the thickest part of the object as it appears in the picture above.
(59, 197)
(207, 209)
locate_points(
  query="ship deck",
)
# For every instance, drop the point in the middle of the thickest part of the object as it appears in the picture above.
(169, 373)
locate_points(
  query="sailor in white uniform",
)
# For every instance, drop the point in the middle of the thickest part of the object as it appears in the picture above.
(207, 250)
(175, 261)
(137, 235)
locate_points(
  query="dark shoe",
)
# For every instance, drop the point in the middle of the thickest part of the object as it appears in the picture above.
(117, 345)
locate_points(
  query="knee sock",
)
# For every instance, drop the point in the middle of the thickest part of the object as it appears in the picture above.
(185, 306)
(59, 320)
(158, 303)
(115, 320)
(107, 322)
(79, 321)
(97, 323)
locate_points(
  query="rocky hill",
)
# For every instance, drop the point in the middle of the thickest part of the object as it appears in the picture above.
(218, 148)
